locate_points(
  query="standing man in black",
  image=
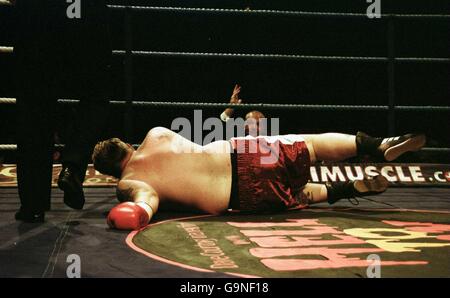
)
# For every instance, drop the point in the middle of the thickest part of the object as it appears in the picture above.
(58, 56)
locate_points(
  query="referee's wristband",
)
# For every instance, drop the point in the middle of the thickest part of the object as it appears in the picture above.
(224, 117)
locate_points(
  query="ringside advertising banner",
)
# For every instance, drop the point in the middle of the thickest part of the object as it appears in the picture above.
(397, 174)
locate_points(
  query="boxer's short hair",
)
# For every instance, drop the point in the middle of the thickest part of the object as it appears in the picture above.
(108, 156)
(255, 114)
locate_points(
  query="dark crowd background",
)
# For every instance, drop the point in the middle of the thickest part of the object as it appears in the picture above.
(268, 81)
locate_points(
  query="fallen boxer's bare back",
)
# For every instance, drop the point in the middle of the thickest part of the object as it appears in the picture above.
(180, 171)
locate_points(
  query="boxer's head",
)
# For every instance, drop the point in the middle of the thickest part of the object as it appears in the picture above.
(110, 156)
(253, 125)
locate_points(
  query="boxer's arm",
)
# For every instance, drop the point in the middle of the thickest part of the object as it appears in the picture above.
(142, 203)
(139, 192)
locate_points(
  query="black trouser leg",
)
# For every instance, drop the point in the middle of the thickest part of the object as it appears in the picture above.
(89, 60)
(91, 119)
(35, 148)
(35, 79)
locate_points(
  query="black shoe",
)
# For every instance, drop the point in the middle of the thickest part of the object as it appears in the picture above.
(30, 217)
(353, 189)
(69, 181)
(391, 148)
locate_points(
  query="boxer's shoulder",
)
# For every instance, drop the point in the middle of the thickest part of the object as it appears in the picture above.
(159, 132)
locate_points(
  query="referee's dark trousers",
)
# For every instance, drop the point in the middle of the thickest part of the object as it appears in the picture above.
(58, 57)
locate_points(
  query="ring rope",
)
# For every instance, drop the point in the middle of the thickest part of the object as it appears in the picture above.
(6, 3)
(274, 106)
(6, 50)
(13, 147)
(422, 59)
(272, 12)
(252, 56)
(287, 57)
(280, 56)
(422, 108)
(184, 104)
(7, 100)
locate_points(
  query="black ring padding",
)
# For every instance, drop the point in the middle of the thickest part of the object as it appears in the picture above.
(277, 57)
(273, 12)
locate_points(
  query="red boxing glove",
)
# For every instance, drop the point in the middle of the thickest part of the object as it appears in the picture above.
(128, 216)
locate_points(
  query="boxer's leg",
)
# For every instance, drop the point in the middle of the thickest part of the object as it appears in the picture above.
(337, 146)
(330, 146)
(388, 149)
(313, 193)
